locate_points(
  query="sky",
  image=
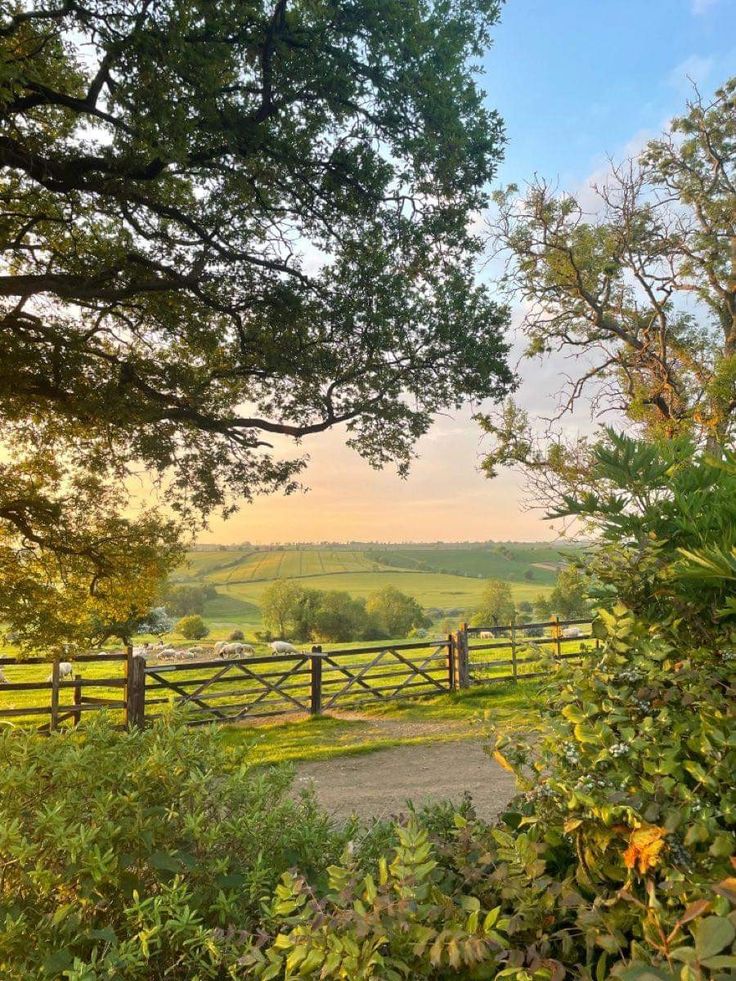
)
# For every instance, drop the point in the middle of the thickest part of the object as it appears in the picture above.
(577, 82)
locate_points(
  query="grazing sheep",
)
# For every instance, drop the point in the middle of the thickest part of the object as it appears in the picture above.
(486, 634)
(66, 670)
(283, 647)
(234, 650)
(570, 633)
(167, 654)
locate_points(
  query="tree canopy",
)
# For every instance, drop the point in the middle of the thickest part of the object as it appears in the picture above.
(227, 223)
(638, 288)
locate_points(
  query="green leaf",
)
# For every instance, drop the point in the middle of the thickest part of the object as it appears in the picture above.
(711, 935)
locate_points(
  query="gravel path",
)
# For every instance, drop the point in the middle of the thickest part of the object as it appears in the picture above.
(379, 784)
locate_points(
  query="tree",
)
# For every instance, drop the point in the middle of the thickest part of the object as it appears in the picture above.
(185, 600)
(496, 606)
(394, 613)
(74, 570)
(157, 622)
(192, 627)
(225, 223)
(339, 617)
(542, 608)
(569, 597)
(280, 605)
(642, 292)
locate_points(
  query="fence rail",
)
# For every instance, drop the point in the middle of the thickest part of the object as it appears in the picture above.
(279, 684)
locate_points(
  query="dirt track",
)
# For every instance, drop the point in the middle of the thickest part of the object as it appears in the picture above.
(379, 784)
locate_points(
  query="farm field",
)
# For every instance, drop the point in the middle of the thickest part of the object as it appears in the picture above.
(517, 561)
(446, 578)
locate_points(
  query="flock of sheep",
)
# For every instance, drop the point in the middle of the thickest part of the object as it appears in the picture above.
(223, 649)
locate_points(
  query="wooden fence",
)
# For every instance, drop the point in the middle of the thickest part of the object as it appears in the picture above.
(271, 685)
(46, 695)
(234, 690)
(511, 651)
(257, 687)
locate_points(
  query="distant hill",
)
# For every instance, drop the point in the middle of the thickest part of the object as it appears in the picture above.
(446, 578)
(523, 562)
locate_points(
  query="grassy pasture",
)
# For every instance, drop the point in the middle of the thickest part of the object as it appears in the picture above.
(237, 604)
(236, 684)
(520, 562)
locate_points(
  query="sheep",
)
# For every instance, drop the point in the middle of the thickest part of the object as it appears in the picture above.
(3, 678)
(233, 650)
(66, 670)
(570, 633)
(486, 634)
(167, 654)
(283, 647)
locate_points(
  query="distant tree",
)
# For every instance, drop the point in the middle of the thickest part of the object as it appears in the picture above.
(569, 597)
(157, 622)
(192, 627)
(280, 605)
(236, 635)
(542, 608)
(339, 617)
(395, 613)
(496, 605)
(526, 607)
(185, 600)
(529, 575)
(304, 614)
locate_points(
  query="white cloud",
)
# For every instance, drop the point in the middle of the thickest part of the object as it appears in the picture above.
(694, 69)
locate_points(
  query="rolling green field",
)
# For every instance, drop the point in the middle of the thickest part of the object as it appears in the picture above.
(448, 579)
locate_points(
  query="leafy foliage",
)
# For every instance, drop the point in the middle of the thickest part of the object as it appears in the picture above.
(334, 615)
(192, 627)
(136, 855)
(496, 605)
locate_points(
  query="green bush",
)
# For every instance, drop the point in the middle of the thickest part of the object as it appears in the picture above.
(141, 855)
(236, 635)
(192, 627)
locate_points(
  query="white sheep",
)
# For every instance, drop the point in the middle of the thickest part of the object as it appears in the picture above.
(570, 633)
(66, 670)
(486, 634)
(283, 647)
(234, 650)
(3, 678)
(167, 654)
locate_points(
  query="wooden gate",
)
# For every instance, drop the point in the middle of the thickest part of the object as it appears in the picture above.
(390, 673)
(230, 691)
(256, 687)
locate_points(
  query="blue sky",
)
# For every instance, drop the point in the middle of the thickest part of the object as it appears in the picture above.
(576, 81)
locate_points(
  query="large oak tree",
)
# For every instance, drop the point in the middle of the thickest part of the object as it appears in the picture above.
(224, 223)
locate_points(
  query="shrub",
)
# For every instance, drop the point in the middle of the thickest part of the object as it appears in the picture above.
(137, 855)
(236, 635)
(192, 627)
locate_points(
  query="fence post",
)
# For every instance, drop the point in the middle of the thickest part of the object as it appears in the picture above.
(135, 711)
(451, 661)
(128, 672)
(463, 668)
(513, 646)
(55, 674)
(315, 694)
(558, 635)
(77, 716)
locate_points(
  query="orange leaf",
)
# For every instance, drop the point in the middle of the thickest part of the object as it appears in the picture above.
(645, 844)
